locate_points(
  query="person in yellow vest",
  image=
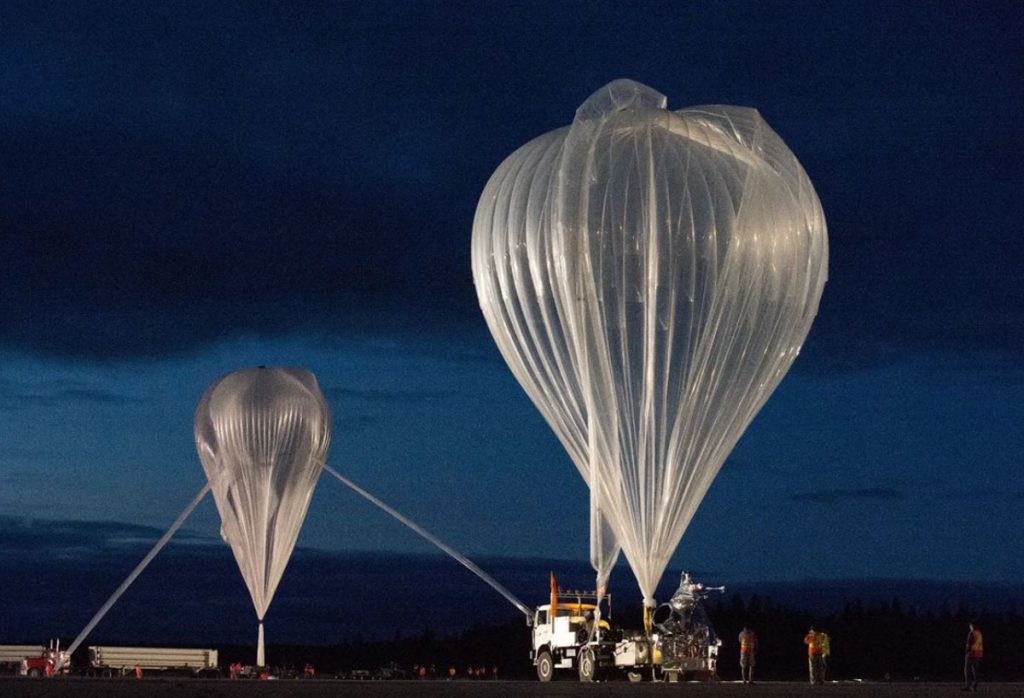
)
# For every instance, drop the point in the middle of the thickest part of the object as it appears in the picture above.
(748, 654)
(814, 656)
(973, 653)
(826, 652)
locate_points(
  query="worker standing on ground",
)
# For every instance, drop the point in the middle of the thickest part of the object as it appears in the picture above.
(826, 652)
(973, 653)
(814, 656)
(748, 654)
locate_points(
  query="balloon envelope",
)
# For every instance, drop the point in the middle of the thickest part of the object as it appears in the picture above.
(653, 274)
(517, 288)
(262, 436)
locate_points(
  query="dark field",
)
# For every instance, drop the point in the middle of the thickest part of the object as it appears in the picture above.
(192, 688)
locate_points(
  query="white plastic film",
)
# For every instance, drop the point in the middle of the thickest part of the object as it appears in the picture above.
(262, 436)
(516, 283)
(650, 276)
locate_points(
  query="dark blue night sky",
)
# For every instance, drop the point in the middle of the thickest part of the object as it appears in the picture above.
(191, 188)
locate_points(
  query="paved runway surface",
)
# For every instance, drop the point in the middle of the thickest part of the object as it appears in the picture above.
(193, 688)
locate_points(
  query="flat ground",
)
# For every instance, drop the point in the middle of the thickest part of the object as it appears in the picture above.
(196, 688)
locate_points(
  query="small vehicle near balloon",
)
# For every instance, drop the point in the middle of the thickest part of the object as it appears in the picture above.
(572, 635)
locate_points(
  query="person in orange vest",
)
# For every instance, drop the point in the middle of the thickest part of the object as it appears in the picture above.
(973, 652)
(815, 656)
(748, 654)
(138, 671)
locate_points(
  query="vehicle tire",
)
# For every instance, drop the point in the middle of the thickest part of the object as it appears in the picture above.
(587, 665)
(545, 666)
(34, 672)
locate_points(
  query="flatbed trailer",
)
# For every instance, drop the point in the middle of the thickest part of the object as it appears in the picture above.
(121, 661)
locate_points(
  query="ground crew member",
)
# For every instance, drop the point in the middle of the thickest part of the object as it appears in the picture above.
(973, 653)
(826, 652)
(138, 671)
(748, 654)
(814, 656)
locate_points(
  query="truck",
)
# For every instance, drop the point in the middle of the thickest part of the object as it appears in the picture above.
(31, 660)
(121, 661)
(573, 634)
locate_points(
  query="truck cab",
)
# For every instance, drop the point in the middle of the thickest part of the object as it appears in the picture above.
(563, 631)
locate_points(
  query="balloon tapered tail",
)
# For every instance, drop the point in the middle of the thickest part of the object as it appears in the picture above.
(260, 658)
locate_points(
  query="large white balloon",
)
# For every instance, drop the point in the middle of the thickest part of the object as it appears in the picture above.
(650, 276)
(262, 436)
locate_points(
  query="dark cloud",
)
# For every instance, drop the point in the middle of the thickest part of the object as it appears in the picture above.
(183, 175)
(21, 536)
(380, 396)
(843, 496)
(16, 396)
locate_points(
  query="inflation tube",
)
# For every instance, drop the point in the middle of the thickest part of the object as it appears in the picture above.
(260, 657)
(136, 572)
(454, 554)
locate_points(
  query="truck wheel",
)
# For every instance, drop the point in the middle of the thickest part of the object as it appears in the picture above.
(34, 672)
(588, 666)
(545, 666)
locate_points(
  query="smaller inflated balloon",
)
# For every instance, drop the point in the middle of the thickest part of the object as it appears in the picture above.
(262, 436)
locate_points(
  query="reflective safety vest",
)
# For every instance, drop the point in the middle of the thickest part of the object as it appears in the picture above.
(748, 643)
(813, 642)
(975, 645)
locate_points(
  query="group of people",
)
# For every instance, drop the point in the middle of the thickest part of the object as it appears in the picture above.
(472, 672)
(819, 650)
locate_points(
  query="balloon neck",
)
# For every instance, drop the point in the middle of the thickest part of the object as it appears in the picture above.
(649, 602)
(260, 657)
